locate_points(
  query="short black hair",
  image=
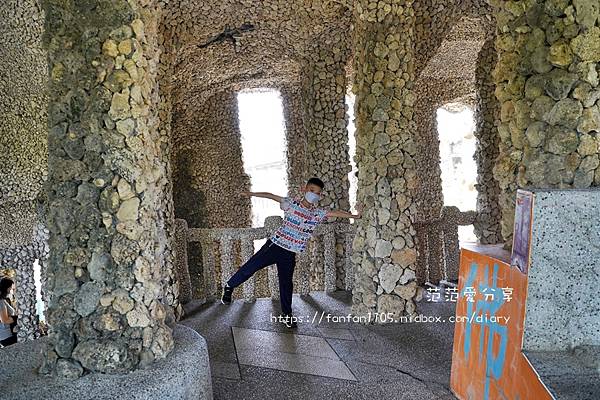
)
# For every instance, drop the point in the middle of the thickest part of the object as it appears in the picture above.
(5, 285)
(316, 181)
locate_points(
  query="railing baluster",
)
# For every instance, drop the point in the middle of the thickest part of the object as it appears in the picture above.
(208, 261)
(226, 248)
(329, 262)
(247, 250)
(273, 282)
(303, 267)
(306, 263)
(349, 278)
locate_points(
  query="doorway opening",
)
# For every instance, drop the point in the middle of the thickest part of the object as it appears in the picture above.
(262, 129)
(456, 127)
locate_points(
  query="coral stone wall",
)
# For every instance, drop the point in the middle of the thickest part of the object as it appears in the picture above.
(326, 119)
(209, 175)
(384, 248)
(547, 83)
(487, 226)
(23, 112)
(21, 259)
(459, 72)
(209, 170)
(296, 139)
(107, 173)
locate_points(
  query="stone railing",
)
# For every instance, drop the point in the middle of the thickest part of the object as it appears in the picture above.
(437, 243)
(438, 246)
(218, 256)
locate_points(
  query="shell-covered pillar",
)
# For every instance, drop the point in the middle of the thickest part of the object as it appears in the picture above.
(296, 138)
(209, 168)
(209, 175)
(487, 226)
(107, 181)
(324, 96)
(23, 112)
(547, 83)
(385, 255)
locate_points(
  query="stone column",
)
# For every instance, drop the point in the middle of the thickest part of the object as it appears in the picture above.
(209, 167)
(107, 174)
(209, 174)
(25, 298)
(324, 94)
(296, 138)
(487, 226)
(430, 198)
(384, 248)
(548, 88)
(24, 114)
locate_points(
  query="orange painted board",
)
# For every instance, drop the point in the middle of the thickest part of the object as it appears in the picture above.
(487, 361)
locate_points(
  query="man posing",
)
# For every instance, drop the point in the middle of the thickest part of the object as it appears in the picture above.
(301, 217)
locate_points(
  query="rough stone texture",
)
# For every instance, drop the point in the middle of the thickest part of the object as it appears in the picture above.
(181, 261)
(326, 119)
(207, 179)
(133, 86)
(385, 149)
(562, 300)
(285, 35)
(20, 259)
(184, 374)
(547, 85)
(487, 224)
(23, 112)
(436, 21)
(296, 139)
(453, 79)
(107, 237)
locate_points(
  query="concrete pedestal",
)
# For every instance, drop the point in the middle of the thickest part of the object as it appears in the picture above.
(183, 375)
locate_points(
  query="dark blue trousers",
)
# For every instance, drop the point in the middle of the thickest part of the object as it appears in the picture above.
(270, 254)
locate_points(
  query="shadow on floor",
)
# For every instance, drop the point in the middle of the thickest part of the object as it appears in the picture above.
(253, 356)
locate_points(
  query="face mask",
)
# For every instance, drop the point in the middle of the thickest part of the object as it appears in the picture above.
(311, 197)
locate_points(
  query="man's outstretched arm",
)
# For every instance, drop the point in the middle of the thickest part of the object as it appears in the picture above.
(345, 214)
(265, 195)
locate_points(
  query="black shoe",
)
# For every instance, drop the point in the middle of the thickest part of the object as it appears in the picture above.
(290, 321)
(227, 292)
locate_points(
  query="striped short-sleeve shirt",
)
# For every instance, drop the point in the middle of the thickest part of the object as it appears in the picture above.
(298, 225)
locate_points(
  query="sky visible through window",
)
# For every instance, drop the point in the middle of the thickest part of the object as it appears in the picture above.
(352, 151)
(459, 171)
(262, 128)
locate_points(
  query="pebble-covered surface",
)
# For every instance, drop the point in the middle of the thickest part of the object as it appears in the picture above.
(109, 269)
(385, 255)
(183, 375)
(142, 104)
(487, 111)
(23, 112)
(20, 260)
(547, 82)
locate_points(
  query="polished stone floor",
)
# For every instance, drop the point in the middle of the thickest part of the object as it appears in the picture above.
(253, 356)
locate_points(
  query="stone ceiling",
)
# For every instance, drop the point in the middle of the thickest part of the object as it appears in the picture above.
(287, 32)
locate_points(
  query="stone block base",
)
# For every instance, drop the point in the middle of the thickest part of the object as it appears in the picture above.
(183, 375)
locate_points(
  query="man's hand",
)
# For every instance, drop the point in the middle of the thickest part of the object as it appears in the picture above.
(359, 210)
(265, 195)
(345, 214)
